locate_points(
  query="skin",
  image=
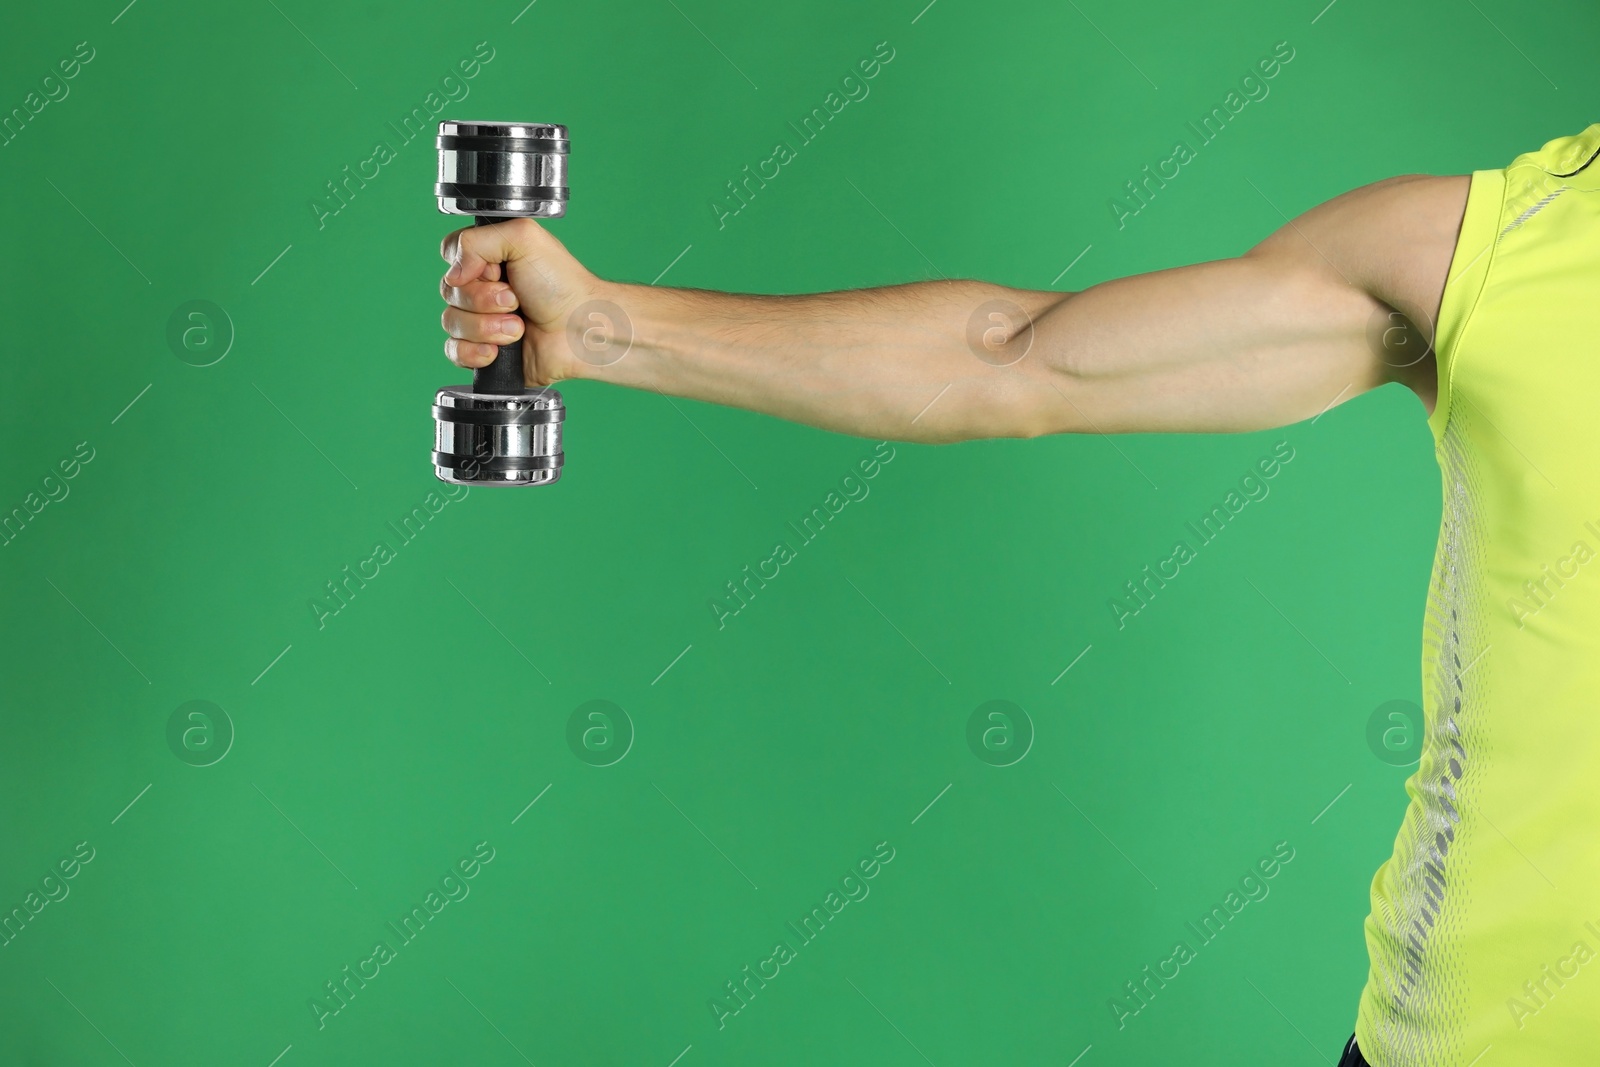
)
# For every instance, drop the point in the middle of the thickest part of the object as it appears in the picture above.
(1339, 301)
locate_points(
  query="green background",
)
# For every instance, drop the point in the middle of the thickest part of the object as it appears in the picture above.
(373, 753)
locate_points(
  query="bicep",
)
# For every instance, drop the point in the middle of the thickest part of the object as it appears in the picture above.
(1238, 344)
(1301, 322)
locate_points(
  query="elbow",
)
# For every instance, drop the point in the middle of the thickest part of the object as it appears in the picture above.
(1038, 424)
(1041, 403)
(1022, 410)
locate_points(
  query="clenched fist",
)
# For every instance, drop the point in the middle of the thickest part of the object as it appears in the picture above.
(509, 281)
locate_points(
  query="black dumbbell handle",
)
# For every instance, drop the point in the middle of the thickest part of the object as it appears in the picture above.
(504, 375)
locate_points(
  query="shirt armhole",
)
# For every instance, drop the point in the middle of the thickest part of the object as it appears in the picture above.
(1469, 270)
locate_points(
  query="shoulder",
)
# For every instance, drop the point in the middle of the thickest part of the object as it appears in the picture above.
(1393, 240)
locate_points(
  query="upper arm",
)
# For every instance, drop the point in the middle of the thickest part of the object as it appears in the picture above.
(1340, 300)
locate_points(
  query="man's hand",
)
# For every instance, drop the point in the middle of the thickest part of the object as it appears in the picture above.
(495, 272)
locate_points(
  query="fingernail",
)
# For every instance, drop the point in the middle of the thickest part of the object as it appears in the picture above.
(510, 327)
(505, 298)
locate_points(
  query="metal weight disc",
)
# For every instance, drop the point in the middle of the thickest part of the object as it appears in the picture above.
(484, 439)
(502, 169)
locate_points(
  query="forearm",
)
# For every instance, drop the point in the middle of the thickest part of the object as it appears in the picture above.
(929, 361)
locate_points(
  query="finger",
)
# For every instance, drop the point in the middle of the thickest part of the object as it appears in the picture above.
(469, 354)
(490, 329)
(480, 296)
(450, 252)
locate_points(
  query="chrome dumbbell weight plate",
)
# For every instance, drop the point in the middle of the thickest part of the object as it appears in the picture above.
(492, 439)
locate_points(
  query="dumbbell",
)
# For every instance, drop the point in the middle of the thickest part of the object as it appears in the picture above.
(500, 432)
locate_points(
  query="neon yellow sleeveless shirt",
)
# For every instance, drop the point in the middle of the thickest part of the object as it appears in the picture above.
(1484, 935)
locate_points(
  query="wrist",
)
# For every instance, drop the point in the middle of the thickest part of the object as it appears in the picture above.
(619, 333)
